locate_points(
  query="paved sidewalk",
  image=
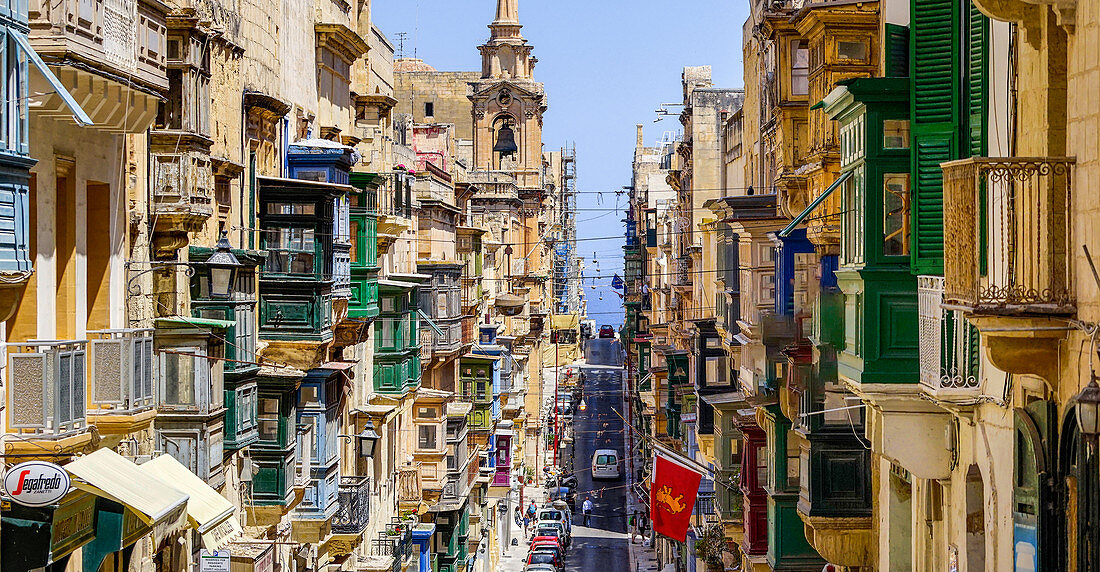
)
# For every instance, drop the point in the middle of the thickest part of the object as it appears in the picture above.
(513, 557)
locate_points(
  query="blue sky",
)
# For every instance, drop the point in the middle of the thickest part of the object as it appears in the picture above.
(607, 64)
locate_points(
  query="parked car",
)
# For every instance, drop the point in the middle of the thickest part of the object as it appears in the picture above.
(607, 331)
(550, 530)
(605, 464)
(550, 546)
(566, 494)
(545, 557)
(556, 516)
(543, 528)
(554, 540)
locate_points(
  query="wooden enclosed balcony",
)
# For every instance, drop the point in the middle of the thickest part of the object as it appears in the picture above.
(111, 55)
(1008, 244)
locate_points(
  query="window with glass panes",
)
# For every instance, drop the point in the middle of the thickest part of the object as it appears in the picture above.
(427, 437)
(291, 250)
(268, 419)
(13, 114)
(184, 376)
(895, 214)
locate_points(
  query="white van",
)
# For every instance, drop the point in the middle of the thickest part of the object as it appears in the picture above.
(605, 464)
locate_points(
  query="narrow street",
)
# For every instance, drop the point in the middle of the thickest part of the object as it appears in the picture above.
(603, 546)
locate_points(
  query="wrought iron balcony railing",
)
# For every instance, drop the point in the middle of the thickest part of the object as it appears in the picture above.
(354, 513)
(1008, 239)
(949, 356)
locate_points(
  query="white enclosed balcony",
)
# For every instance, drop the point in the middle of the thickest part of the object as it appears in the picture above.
(121, 370)
(47, 383)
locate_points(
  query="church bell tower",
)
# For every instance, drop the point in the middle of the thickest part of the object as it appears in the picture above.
(508, 104)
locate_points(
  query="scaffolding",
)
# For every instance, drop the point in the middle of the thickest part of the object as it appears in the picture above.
(566, 285)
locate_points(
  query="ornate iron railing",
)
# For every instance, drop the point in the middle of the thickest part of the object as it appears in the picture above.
(948, 343)
(353, 515)
(1008, 239)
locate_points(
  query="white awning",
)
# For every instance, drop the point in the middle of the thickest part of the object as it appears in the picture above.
(107, 474)
(24, 44)
(209, 512)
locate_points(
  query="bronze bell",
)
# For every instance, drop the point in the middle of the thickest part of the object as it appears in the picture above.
(506, 141)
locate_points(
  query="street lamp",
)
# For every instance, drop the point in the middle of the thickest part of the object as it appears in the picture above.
(583, 405)
(365, 440)
(1088, 410)
(223, 268)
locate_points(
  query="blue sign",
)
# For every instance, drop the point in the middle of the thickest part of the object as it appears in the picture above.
(617, 283)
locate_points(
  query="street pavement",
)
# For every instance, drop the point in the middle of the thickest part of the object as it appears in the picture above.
(605, 545)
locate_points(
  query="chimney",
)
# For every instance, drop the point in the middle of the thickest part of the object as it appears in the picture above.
(640, 138)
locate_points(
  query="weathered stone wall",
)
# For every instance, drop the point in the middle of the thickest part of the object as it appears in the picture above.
(446, 91)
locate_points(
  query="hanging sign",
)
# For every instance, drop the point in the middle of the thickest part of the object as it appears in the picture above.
(36, 483)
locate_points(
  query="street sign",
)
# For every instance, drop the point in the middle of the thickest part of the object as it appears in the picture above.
(213, 560)
(36, 483)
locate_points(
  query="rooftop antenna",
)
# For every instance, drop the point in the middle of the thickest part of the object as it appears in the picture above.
(401, 43)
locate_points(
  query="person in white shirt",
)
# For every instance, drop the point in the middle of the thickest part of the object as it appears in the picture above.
(586, 508)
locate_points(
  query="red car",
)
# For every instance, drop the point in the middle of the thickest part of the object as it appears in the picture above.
(607, 332)
(545, 540)
(545, 557)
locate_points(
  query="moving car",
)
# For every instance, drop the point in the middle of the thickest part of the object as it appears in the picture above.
(605, 464)
(607, 331)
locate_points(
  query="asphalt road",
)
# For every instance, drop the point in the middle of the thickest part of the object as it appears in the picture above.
(604, 351)
(603, 546)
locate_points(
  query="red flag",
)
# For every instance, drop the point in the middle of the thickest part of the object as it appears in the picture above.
(672, 497)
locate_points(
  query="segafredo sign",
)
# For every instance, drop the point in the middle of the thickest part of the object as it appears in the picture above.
(36, 483)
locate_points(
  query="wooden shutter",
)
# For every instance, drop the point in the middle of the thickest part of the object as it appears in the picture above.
(977, 80)
(897, 50)
(929, 151)
(934, 68)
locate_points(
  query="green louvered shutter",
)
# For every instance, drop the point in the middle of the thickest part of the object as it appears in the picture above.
(934, 104)
(977, 81)
(977, 102)
(897, 50)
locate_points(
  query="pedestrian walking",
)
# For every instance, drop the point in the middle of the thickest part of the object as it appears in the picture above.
(529, 517)
(635, 525)
(586, 508)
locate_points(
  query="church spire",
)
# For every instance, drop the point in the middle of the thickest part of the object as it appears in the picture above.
(507, 12)
(506, 25)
